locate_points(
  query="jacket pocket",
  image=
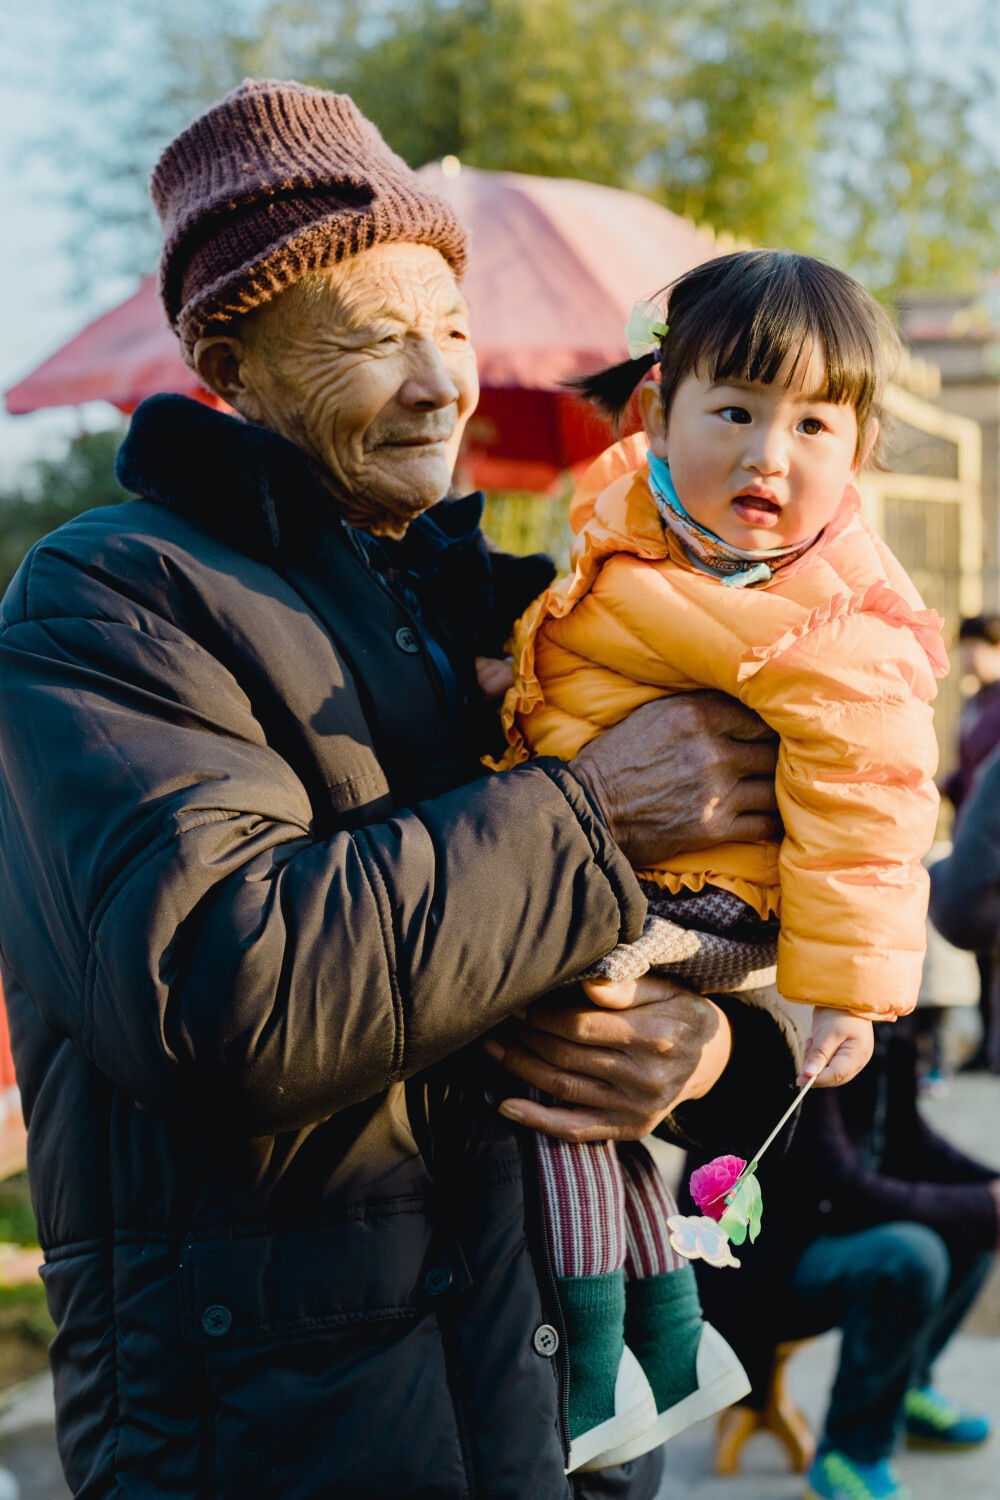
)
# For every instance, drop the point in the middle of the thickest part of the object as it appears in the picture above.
(373, 1265)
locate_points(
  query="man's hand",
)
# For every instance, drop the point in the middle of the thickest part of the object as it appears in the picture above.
(622, 1063)
(683, 773)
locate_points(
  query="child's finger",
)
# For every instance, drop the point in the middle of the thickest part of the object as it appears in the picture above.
(832, 1064)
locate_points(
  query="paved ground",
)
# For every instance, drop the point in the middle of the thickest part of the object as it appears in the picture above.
(970, 1372)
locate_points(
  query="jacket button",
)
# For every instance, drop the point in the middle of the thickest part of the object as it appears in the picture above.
(216, 1320)
(438, 1280)
(825, 1206)
(406, 640)
(545, 1340)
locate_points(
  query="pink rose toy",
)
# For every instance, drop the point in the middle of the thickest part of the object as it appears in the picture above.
(711, 1183)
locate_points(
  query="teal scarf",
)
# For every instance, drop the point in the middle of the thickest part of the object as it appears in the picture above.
(737, 568)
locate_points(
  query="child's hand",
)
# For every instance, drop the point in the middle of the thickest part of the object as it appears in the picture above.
(838, 1049)
(494, 676)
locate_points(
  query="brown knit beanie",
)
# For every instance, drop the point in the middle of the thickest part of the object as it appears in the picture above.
(275, 180)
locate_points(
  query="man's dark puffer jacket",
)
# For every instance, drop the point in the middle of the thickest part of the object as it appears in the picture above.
(256, 896)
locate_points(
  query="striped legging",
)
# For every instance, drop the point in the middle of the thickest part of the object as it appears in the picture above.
(604, 1206)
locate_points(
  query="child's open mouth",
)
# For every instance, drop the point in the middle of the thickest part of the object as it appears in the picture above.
(757, 510)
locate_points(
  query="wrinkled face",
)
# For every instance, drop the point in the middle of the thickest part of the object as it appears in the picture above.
(762, 466)
(367, 366)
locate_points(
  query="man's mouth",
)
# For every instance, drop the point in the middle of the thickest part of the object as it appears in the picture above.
(757, 507)
(427, 437)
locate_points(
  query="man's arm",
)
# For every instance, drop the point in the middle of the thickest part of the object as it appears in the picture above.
(168, 907)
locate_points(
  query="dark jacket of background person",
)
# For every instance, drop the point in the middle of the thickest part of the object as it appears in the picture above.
(978, 737)
(965, 887)
(256, 896)
(861, 1155)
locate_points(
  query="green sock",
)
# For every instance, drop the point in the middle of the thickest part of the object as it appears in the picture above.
(593, 1309)
(663, 1329)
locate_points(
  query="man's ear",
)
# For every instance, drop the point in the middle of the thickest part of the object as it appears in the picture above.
(871, 439)
(651, 412)
(219, 361)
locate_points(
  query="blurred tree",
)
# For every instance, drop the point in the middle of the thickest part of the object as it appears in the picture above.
(750, 107)
(53, 491)
(817, 124)
(918, 203)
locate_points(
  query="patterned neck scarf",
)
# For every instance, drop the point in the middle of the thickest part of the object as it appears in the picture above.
(737, 568)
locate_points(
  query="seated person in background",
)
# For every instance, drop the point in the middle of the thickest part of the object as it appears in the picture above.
(979, 736)
(979, 731)
(875, 1225)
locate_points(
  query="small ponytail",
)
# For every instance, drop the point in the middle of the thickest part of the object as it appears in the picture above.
(612, 389)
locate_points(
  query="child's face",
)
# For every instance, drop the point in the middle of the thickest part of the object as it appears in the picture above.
(762, 466)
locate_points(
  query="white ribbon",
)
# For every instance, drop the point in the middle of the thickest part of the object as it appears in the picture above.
(644, 329)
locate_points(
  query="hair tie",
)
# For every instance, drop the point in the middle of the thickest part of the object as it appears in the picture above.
(644, 330)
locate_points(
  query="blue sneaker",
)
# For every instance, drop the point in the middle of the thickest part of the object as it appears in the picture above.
(932, 1421)
(834, 1476)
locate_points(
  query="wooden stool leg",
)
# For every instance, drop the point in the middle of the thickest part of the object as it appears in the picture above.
(734, 1427)
(782, 1416)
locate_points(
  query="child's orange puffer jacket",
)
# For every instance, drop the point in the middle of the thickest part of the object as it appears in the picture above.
(837, 654)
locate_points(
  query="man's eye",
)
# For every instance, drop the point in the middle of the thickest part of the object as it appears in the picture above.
(735, 414)
(458, 333)
(811, 426)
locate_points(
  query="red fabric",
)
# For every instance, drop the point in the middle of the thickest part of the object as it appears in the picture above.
(556, 265)
(7, 1077)
(123, 357)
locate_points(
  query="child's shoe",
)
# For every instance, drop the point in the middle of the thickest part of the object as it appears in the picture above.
(932, 1421)
(690, 1367)
(834, 1476)
(610, 1400)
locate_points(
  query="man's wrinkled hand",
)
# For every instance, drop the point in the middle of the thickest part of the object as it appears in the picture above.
(618, 1065)
(683, 773)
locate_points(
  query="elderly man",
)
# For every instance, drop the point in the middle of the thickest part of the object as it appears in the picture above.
(260, 898)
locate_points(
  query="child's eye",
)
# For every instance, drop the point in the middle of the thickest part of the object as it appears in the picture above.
(811, 426)
(735, 414)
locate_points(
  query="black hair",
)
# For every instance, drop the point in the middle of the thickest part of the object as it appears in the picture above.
(740, 316)
(981, 628)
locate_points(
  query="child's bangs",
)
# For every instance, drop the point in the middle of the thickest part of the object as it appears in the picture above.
(793, 308)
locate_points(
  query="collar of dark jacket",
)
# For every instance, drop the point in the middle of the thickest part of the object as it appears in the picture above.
(254, 488)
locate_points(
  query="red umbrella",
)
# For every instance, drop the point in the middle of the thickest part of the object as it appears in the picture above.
(556, 265)
(124, 356)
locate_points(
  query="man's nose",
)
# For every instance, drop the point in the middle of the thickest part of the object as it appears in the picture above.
(766, 452)
(428, 386)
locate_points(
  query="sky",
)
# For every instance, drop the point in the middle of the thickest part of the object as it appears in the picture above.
(41, 306)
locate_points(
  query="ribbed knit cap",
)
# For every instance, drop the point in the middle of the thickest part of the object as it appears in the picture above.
(275, 180)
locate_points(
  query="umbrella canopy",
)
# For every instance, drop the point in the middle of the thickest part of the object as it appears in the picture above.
(556, 265)
(124, 356)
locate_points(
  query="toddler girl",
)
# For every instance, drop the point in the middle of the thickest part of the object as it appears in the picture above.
(722, 548)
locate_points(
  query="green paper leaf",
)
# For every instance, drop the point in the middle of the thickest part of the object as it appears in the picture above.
(744, 1213)
(733, 1224)
(754, 1207)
